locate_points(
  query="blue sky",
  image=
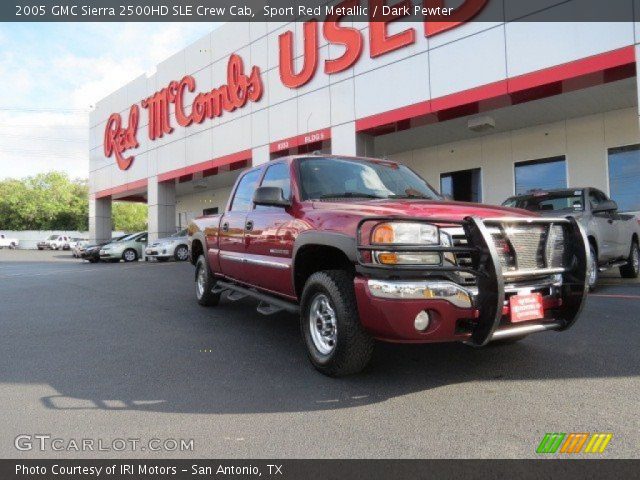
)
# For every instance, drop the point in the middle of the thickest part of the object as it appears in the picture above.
(51, 75)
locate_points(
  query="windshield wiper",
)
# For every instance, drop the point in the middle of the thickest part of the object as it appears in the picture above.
(351, 195)
(411, 195)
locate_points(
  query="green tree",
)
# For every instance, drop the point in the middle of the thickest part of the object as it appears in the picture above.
(129, 216)
(47, 201)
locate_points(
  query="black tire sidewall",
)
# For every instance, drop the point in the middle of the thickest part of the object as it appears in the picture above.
(354, 346)
(628, 270)
(177, 257)
(208, 298)
(592, 253)
(317, 357)
(129, 250)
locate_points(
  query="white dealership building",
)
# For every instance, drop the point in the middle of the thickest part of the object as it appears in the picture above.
(482, 110)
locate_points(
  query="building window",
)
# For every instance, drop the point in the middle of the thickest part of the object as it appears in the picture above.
(624, 177)
(210, 211)
(463, 185)
(544, 174)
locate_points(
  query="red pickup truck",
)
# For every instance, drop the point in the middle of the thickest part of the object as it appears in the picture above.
(364, 249)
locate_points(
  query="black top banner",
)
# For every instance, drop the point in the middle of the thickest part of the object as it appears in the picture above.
(290, 10)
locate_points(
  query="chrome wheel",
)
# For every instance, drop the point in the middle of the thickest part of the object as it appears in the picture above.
(323, 324)
(182, 253)
(201, 282)
(129, 255)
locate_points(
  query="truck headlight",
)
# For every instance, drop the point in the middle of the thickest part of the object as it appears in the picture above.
(406, 233)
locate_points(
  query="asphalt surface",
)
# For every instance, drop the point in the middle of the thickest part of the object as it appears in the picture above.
(111, 351)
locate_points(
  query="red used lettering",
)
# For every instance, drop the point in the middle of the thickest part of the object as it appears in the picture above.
(434, 24)
(310, 58)
(350, 37)
(379, 39)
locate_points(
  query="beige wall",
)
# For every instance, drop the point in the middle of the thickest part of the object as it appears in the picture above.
(584, 141)
(194, 203)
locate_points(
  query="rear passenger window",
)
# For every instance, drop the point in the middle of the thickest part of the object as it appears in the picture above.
(244, 193)
(278, 176)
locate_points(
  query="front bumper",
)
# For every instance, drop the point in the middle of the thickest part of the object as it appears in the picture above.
(390, 298)
(158, 251)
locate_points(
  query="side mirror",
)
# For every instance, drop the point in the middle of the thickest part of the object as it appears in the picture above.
(607, 206)
(270, 197)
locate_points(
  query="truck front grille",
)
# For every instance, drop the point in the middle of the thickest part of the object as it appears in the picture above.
(520, 247)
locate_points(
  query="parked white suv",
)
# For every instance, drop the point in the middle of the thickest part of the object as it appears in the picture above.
(55, 242)
(8, 242)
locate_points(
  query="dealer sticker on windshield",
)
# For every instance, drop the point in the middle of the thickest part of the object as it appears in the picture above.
(524, 307)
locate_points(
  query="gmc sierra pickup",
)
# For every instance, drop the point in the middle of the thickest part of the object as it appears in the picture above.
(364, 249)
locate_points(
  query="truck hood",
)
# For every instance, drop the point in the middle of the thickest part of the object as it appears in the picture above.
(421, 208)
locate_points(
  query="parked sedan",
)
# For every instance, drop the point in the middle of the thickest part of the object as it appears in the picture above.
(92, 252)
(174, 246)
(79, 247)
(129, 249)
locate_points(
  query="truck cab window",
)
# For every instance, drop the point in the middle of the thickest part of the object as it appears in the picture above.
(244, 193)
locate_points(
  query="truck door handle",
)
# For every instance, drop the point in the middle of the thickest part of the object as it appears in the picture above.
(225, 227)
(249, 225)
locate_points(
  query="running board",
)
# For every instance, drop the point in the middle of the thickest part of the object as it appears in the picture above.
(235, 296)
(273, 304)
(620, 263)
(518, 330)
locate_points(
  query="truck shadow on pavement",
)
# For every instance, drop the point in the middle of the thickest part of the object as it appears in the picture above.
(136, 340)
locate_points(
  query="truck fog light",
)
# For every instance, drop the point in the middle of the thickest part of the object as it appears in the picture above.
(422, 321)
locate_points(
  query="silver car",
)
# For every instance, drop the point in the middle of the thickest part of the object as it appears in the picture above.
(165, 248)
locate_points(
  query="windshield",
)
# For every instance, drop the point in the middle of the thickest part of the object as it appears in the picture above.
(52, 237)
(555, 201)
(322, 178)
(181, 233)
(127, 237)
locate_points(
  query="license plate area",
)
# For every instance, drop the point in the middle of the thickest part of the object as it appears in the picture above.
(526, 306)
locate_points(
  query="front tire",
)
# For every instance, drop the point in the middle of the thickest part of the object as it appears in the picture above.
(129, 255)
(592, 277)
(181, 253)
(336, 342)
(204, 284)
(630, 270)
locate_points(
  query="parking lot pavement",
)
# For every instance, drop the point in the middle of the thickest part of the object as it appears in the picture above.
(110, 351)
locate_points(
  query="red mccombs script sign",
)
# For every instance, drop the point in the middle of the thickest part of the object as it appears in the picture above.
(239, 89)
(242, 88)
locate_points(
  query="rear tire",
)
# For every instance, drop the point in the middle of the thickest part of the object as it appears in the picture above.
(205, 283)
(336, 342)
(630, 270)
(592, 277)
